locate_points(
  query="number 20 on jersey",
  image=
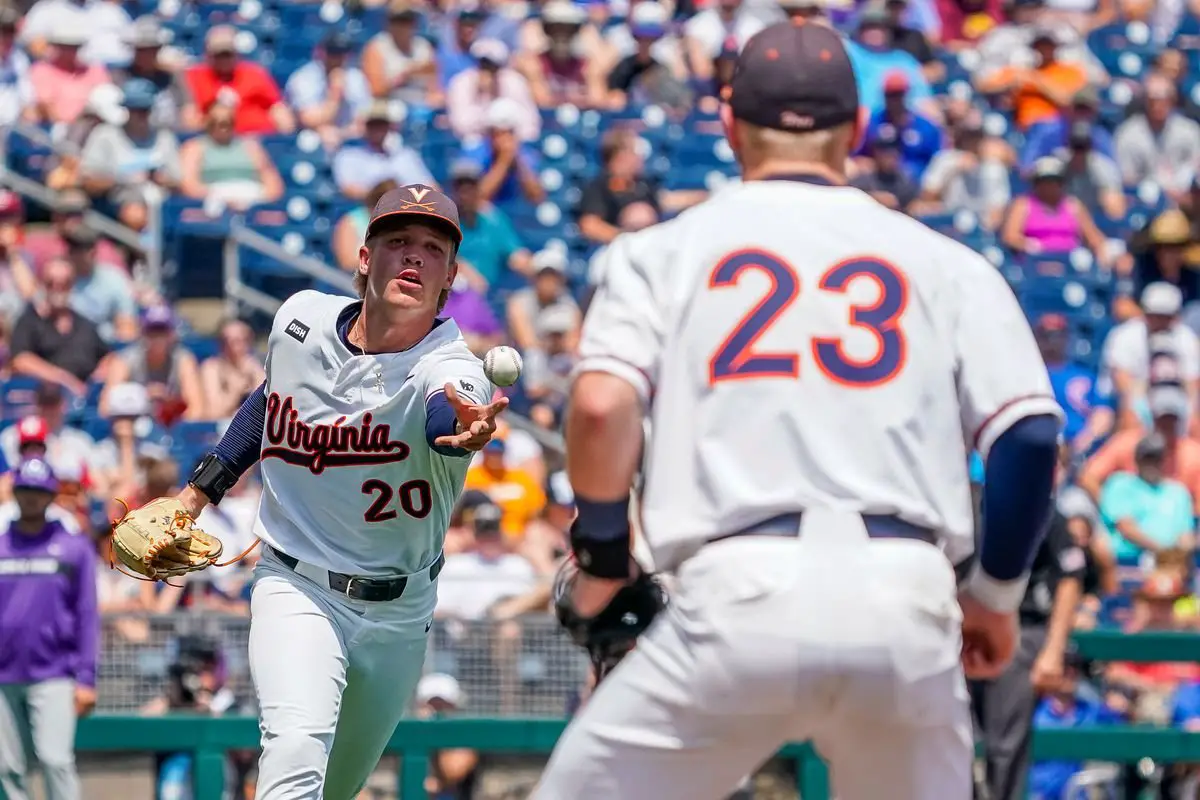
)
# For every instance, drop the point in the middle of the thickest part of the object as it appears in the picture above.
(737, 358)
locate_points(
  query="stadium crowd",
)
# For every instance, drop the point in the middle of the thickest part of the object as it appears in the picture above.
(1058, 137)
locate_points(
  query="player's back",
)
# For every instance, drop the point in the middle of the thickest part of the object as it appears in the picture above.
(806, 346)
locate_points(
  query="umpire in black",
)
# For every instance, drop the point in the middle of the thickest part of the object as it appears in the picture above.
(1004, 707)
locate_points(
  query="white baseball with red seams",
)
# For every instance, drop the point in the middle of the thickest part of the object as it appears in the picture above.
(502, 365)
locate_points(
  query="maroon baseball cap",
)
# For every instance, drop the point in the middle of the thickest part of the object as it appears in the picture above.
(794, 76)
(422, 203)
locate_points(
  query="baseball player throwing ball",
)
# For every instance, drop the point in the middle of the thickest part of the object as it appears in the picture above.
(816, 369)
(364, 427)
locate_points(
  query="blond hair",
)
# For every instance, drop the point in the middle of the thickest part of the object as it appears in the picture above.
(822, 147)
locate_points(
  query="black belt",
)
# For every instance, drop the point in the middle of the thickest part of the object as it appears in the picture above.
(879, 526)
(374, 590)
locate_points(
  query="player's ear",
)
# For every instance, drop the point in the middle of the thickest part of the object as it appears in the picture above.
(726, 114)
(452, 273)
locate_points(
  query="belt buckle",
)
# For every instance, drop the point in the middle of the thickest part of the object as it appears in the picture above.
(350, 586)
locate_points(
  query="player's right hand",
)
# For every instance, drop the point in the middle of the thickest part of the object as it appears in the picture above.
(989, 639)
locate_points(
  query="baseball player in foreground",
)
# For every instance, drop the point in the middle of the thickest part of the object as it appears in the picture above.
(816, 369)
(364, 427)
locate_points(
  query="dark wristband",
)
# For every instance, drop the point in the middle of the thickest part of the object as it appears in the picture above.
(600, 538)
(213, 478)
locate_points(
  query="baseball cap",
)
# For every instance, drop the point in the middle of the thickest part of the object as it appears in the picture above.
(221, 39)
(1048, 167)
(895, 82)
(486, 518)
(550, 260)
(1051, 323)
(648, 20)
(68, 32)
(145, 32)
(472, 12)
(1170, 228)
(490, 51)
(35, 474)
(338, 42)
(874, 16)
(81, 236)
(128, 400)
(440, 686)
(382, 111)
(1080, 133)
(1087, 97)
(420, 201)
(496, 445)
(1161, 299)
(32, 430)
(10, 204)
(1151, 446)
(465, 169)
(72, 201)
(158, 317)
(562, 12)
(1044, 33)
(503, 114)
(138, 94)
(1167, 401)
(794, 78)
(403, 9)
(557, 319)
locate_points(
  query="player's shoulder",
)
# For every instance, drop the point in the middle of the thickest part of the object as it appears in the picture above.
(306, 310)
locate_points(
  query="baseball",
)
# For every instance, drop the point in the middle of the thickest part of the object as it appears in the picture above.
(502, 365)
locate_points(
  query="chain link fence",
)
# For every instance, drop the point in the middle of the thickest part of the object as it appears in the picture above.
(521, 667)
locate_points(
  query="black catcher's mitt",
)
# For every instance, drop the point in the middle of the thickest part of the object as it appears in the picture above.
(611, 634)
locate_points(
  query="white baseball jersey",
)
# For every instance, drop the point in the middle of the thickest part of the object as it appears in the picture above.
(349, 482)
(802, 346)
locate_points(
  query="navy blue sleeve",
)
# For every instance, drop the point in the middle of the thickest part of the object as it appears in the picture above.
(440, 420)
(241, 446)
(1018, 493)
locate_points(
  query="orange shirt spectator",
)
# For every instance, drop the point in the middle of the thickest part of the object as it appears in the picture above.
(519, 496)
(1182, 462)
(61, 84)
(244, 86)
(1037, 94)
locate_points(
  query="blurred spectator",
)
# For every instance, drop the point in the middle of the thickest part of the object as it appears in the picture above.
(1089, 417)
(1091, 177)
(231, 375)
(644, 74)
(1082, 520)
(521, 452)
(131, 166)
(1048, 137)
(68, 213)
(527, 308)
(471, 583)
(965, 22)
(1162, 258)
(1065, 707)
(16, 90)
(473, 314)
(886, 179)
(1011, 43)
(379, 157)
(233, 523)
(173, 106)
(1041, 93)
(29, 439)
(520, 497)
(623, 181)
(471, 91)
(226, 168)
(919, 138)
(398, 63)
(101, 292)
(1152, 350)
(705, 33)
(875, 55)
(453, 772)
(104, 24)
(62, 81)
(911, 40)
(51, 341)
(351, 229)
(244, 87)
(966, 177)
(1147, 512)
(490, 245)
(547, 539)
(460, 30)
(18, 284)
(548, 365)
(647, 21)
(120, 458)
(329, 93)
(1048, 220)
(165, 367)
(557, 72)
(103, 107)
(1169, 411)
(48, 668)
(1159, 144)
(69, 450)
(508, 165)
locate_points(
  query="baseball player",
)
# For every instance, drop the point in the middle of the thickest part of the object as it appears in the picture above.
(815, 368)
(364, 428)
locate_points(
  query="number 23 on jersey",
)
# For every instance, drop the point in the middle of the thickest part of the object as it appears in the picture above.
(737, 358)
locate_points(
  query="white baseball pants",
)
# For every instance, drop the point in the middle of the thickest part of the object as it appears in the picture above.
(333, 678)
(848, 641)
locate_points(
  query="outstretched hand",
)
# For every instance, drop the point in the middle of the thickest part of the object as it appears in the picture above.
(476, 423)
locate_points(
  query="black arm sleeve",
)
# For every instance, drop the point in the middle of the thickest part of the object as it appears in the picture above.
(241, 446)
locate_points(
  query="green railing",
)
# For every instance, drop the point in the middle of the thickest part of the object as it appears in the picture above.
(209, 738)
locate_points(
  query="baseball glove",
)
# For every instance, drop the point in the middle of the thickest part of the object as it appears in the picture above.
(160, 540)
(611, 634)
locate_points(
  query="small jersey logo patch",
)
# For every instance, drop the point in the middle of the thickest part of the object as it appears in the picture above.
(297, 330)
(466, 386)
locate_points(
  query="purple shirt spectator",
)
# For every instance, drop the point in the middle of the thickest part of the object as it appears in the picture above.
(471, 312)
